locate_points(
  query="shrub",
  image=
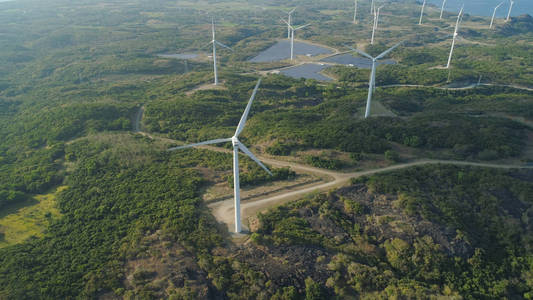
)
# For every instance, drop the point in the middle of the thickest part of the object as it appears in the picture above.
(392, 156)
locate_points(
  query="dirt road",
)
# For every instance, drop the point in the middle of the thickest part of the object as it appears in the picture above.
(223, 211)
(468, 87)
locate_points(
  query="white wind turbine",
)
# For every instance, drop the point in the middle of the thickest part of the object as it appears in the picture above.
(422, 12)
(377, 15)
(237, 145)
(215, 42)
(494, 14)
(442, 9)
(375, 25)
(455, 34)
(510, 9)
(355, 12)
(292, 29)
(289, 23)
(372, 83)
(372, 9)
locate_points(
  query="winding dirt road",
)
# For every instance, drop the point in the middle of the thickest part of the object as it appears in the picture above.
(223, 211)
(468, 87)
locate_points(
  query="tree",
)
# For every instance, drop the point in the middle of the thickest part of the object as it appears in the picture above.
(313, 291)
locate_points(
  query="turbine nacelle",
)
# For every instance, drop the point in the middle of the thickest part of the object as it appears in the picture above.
(235, 141)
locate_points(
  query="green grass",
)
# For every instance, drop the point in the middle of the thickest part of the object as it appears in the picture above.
(29, 218)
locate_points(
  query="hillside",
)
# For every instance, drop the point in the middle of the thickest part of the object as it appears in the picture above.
(93, 93)
(425, 232)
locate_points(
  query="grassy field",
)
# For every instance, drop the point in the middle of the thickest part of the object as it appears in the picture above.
(28, 219)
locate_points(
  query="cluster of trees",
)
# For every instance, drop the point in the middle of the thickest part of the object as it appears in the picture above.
(110, 205)
(324, 162)
(30, 172)
(482, 100)
(465, 234)
(256, 176)
(32, 144)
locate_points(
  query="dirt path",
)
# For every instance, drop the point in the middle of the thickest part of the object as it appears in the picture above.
(471, 86)
(223, 211)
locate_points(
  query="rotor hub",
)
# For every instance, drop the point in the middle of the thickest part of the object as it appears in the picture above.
(235, 141)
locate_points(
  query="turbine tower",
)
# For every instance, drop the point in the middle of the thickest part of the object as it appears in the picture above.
(237, 145)
(510, 9)
(372, 83)
(442, 9)
(355, 12)
(215, 42)
(455, 33)
(289, 23)
(292, 29)
(494, 14)
(377, 16)
(422, 12)
(375, 25)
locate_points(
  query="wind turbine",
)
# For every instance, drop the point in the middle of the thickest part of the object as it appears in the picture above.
(372, 8)
(375, 25)
(237, 145)
(355, 13)
(292, 29)
(442, 9)
(510, 9)
(215, 42)
(372, 83)
(494, 14)
(422, 12)
(377, 15)
(455, 33)
(289, 23)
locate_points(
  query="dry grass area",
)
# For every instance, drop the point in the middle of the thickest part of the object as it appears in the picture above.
(29, 218)
(207, 86)
(164, 269)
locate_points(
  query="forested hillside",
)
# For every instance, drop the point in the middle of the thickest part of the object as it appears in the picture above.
(420, 233)
(93, 206)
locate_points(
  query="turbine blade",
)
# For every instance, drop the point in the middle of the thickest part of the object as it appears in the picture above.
(360, 52)
(217, 141)
(388, 51)
(290, 12)
(227, 47)
(301, 27)
(242, 122)
(254, 158)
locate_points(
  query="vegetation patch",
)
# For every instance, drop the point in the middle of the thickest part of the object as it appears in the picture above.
(29, 219)
(423, 232)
